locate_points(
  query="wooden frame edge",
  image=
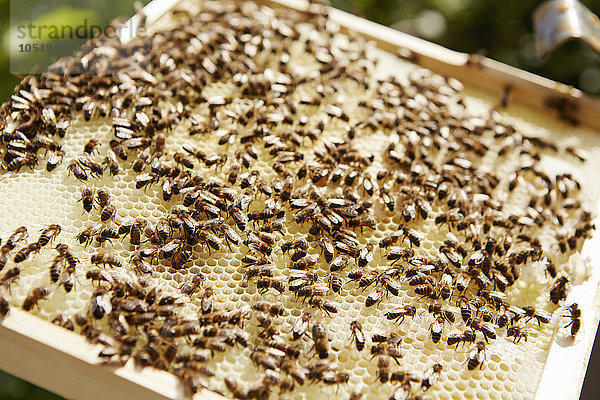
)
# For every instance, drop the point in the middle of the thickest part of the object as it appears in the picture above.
(69, 365)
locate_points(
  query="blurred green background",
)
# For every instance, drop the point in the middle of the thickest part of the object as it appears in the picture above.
(499, 29)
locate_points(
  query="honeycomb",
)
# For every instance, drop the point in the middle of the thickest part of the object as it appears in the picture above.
(342, 112)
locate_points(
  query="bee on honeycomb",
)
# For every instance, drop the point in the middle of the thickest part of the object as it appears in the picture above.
(281, 216)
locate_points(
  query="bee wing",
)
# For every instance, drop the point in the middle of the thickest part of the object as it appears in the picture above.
(300, 327)
(297, 273)
(498, 295)
(104, 302)
(489, 326)
(437, 326)
(544, 314)
(516, 310)
(453, 309)
(297, 283)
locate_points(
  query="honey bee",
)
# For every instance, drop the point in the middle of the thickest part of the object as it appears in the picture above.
(364, 220)
(404, 391)
(413, 236)
(389, 282)
(26, 252)
(112, 163)
(206, 302)
(487, 328)
(374, 297)
(236, 389)
(391, 239)
(184, 160)
(297, 372)
(461, 282)
(191, 285)
(451, 255)
(214, 242)
(4, 300)
(103, 198)
(134, 228)
(357, 335)
(517, 332)
(257, 245)
(383, 369)
(87, 235)
(575, 315)
(445, 285)
(137, 143)
(216, 160)
(386, 349)
(17, 236)
(365, 277)
(339, 263)
(87, 198)
(335, 282)
(10, 276)
(387, 199)
(365, 255)
(550, 268)
(108, 213)
(34, 297)
(400, 313)
(86, 161)
(298, 254)
(106, 259)
(143, 180)
(323, 304)
(299, 242)
(436, 329)
(48, 234)
(540, 315)
(427, 290)
(260, 271)
(96, 276)
(400, 253)
(63, 320)
(431, 377)
(54, 159)
(167, 189)
(274, 226)
(274, 309)
(106, 234)
(17, 163)
(267, 357)
(559, 290)
(468, 336)
(328, 249)
(477, 356)
(90, 146)
(197, 355)
(3, 257)
(437, 310)
(169, 249)
(142, 160)
(301, 278)
(306, 262)
(321, 340)
(67, 277)
(100, 303)
(301, 326)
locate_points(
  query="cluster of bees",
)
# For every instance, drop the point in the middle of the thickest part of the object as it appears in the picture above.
(332, 187)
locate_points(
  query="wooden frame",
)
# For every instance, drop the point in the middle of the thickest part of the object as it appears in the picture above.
(63, 362)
